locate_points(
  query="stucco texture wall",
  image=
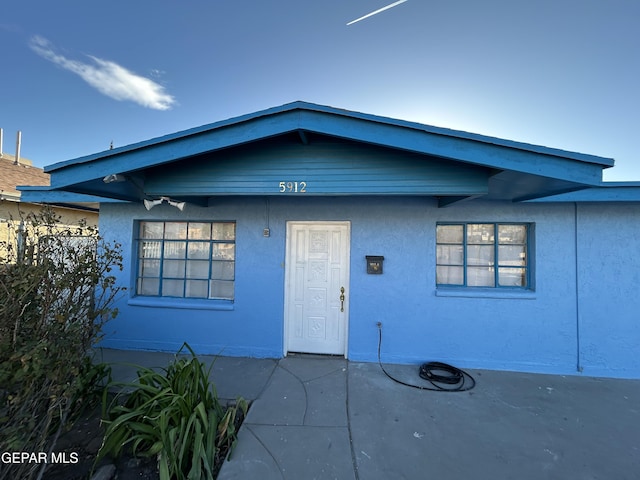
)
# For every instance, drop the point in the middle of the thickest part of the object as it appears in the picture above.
(12, 212)
(609, 293)
(547, 329)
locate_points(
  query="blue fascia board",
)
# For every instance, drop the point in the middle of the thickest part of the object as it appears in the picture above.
(605, 192)
(447, 132)
(31, 194)
(505, 156)
(163, 152)
(451, 144)
(170, 137)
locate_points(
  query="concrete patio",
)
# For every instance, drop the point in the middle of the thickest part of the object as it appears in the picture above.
(328, 418)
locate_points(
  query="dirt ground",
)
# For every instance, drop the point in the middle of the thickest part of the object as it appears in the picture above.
(84, 439)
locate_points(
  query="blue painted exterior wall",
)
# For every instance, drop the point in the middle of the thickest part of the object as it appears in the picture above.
(394, 181)
(581, 317)
(609, 288)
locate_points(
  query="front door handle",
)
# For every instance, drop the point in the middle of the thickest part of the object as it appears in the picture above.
(342, 299)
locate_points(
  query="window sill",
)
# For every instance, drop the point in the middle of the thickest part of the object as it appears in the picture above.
(183, 303)
(485, 293)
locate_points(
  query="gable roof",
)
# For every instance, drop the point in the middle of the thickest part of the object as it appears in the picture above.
(304, 116)
(514, 171)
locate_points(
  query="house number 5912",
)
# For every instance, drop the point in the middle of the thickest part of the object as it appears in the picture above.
(292, 187)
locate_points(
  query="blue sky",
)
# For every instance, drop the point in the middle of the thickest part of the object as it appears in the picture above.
(80, 74)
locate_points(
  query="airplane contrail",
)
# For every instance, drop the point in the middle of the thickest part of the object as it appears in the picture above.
(377, 11)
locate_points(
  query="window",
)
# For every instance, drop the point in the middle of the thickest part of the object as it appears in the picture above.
(186, 259)
(468, 254)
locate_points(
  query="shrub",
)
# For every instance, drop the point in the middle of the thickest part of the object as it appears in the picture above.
(173, 414)
(56, 293)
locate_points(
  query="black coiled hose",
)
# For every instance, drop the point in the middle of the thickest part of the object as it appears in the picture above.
(442, 376)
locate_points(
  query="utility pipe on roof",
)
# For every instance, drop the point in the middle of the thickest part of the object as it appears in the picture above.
(18, 142)
(1, 138)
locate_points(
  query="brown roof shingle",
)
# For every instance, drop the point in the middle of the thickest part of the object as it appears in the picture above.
(24, 173)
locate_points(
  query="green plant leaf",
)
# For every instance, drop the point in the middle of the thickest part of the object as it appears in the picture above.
(196, 467)
(173, 413)
(163, 467)
(156, 447)
(112, 444)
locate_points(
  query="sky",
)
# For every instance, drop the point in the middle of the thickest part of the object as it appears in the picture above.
(78, 75)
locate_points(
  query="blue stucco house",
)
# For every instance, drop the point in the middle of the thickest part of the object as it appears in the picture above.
(299, 228)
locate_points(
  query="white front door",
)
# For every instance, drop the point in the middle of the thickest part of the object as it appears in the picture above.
(317, 287)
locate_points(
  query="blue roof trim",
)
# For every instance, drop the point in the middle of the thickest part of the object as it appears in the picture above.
(606, 192)
(604, 161)
(304, 106)
(31, 194)
(168, 138)
(500, 155)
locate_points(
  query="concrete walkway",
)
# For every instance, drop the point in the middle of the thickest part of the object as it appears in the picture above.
(326, 418)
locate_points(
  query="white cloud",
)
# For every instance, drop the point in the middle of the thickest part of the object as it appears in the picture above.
(109, 78)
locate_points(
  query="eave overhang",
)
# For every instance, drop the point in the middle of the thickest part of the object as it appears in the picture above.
(558, 170)
(605, 192)
(49, 195)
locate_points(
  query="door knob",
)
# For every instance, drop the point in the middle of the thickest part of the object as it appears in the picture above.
(342, 299)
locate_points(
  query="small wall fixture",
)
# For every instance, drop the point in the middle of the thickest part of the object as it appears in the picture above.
(149, 204)
(114, 177)
(374, 264)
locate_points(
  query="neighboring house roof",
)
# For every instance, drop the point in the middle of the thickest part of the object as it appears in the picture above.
(493, 168)
(16, 178)
(13, 174)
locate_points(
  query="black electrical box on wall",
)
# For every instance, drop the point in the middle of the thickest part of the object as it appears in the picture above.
(374, 264)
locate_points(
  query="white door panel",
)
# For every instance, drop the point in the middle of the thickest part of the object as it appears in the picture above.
(317, 267)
